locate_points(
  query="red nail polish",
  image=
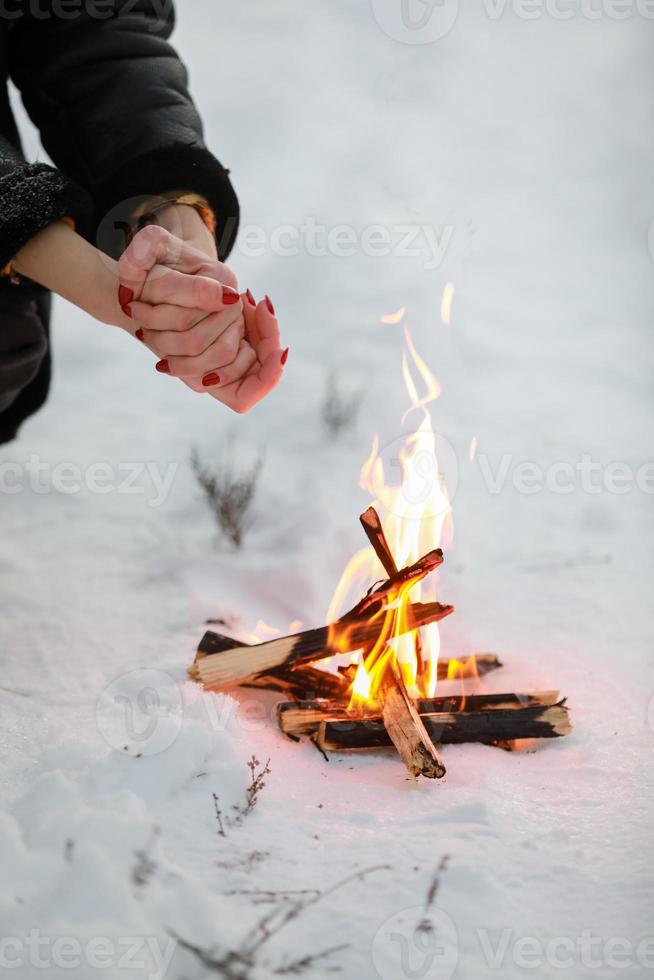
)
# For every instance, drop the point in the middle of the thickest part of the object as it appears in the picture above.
(163, 367)
(139, 335)
(251, 300)
(284, 356)
(125, 297)
(230, 296)
(271, 308)
(211, 379)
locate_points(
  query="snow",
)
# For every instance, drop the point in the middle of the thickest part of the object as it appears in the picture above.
(531, 140)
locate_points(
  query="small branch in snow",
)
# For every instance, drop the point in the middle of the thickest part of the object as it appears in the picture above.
(255, 787)
(257, 783)
(238, 964)
(432, 893)
(219, 816)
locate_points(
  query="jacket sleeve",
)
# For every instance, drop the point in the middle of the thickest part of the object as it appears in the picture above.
(32, 196)
(110, 98)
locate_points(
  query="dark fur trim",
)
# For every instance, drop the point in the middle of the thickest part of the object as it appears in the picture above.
(175, 168)
(32, 197)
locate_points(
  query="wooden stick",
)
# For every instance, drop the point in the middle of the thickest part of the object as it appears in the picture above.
(490, 727)
(387, 591)
(236, 665)
(406, 730)
(372, 525)
(307, 683)
(374, 530)
(305, 717)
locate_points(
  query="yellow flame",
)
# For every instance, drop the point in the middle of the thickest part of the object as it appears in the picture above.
(432, 387)
(361, 684)
(446, 304)
(396, 317)
(414, 513)
(472, 448)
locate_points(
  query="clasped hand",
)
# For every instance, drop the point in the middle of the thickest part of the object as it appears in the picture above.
(187, 309)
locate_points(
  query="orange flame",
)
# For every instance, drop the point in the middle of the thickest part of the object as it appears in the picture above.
(414, 514)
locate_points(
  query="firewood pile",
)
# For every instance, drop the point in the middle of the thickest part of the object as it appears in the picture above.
(320, 704)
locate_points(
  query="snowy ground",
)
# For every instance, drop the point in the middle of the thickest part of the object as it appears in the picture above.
(532, 141)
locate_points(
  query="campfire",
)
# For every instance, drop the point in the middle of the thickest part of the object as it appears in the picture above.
(369, 678)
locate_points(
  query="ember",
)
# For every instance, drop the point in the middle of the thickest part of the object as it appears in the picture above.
(386, 693)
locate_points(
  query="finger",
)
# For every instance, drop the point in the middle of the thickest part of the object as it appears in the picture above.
(193, 292)
(232, 372)
(197, 339)
(195, 384)
(267, 329)
(200, 264)
(218, 355)
(250, 317)
(243, 395)
(165, 317)
(149, 246)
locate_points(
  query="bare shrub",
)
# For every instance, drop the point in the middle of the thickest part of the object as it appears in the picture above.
(258, 773)
(238, 964)
(340, 407)
(229, 493)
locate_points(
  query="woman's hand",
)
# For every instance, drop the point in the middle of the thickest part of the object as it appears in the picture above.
(191, 316)
(262, 336)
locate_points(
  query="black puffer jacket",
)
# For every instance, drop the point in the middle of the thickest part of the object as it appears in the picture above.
(109, 96)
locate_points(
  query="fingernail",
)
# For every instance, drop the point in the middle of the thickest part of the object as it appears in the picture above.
(163, 367)
(125, 297)
(271, 308)
(211, 379)
(230, 296)
(284, 356)
(139, 335)
(251, 300)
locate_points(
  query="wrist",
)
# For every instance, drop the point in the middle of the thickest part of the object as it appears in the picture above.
(64, 262)
(104, 305)
(185, 222)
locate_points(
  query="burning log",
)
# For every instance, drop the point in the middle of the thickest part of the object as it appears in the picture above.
(404, 727)
(390, 589)
(368, 705)
(490, 727)
(297, 718)
(242, 662)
